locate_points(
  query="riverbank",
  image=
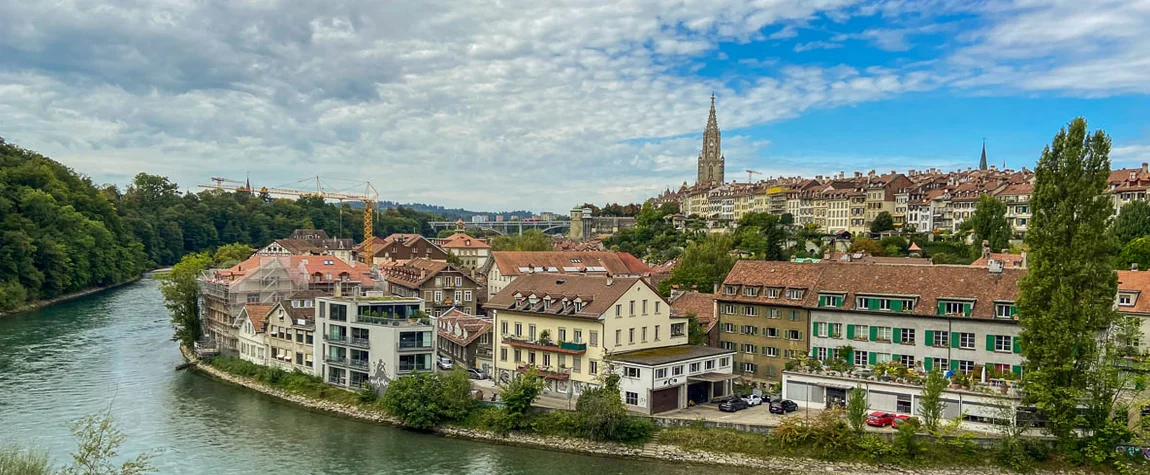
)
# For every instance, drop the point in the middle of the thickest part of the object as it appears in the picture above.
(39, 304)
(652, 450)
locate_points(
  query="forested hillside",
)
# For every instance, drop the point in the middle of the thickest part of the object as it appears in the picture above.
(59, 233)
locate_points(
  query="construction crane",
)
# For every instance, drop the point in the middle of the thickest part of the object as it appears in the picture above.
(369, 197)
(752, 172)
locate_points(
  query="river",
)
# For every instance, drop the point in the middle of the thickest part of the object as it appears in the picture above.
(113, 352)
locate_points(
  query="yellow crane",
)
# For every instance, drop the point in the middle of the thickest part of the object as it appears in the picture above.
(369, 197)
(752, 172)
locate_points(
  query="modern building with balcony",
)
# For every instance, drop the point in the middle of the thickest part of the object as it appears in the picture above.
(372, 340)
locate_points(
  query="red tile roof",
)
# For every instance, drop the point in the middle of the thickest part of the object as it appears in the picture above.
(597, 294)
(461, 328)
(310, 265)
(257, 314)
(1007, 259)
(1136, 281)
(463, 241)
(555, 262)
(702, 305)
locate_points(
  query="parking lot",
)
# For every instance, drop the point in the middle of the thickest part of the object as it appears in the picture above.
(753, 415)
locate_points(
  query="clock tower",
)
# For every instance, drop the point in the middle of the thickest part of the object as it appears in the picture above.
(711, 160)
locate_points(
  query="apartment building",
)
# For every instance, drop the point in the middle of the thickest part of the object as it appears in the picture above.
(252, 334)
(506, 266)
(442, 286)
(764, 317)
(1134, 302)
(291, 333)
(570, 329)
(471, 251)
(1128, 185)
(466, 339)
(369, 341)
(401, 247)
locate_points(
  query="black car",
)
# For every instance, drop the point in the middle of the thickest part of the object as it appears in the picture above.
(783, 406)
(733, 405)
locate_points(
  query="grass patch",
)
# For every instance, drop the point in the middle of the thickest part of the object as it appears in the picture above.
(295, 382)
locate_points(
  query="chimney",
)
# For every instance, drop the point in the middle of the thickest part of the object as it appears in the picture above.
(716, 289)
(610, 280)
(1145, 167)
(1134, 267)
(985, 249)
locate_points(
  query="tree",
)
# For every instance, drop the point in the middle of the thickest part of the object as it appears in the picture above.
(518, 396)
(931, 406)
(857, 407)
(989, 223)
(1135, 252)
(761, 235)
(883, 222)
(1133, 222)
(1066, 297)
(425, 400)
(181, 296)
(704, 263)
(530, 240)
(696, 333)
(601, 411)
(867, 245)
(231, 254)
(99, 442)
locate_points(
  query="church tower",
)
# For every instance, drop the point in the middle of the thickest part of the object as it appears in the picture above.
(711, 160)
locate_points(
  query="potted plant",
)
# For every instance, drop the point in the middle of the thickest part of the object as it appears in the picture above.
(545, 337)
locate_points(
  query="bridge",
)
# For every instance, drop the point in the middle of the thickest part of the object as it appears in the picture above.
(506, 227)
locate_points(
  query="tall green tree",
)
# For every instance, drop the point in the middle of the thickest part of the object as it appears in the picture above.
(601, 412)
(231, 254)
(931, 406)
(530, 240)
(989, 224)
(857, 407)
(1133, 222)
(696, 332)
(181, 296)
(883, 222)
(762, 235)
(1135, 252)
(704, 263)
(1067, 295)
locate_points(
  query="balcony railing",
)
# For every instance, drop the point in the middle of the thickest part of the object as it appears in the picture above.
(335, 338)
(360, 342)
(404, 368)
(358, 363)
(337, 381)
(563, 347)
(335, 360)
(561, 374)
(393, 322)
(401, 346)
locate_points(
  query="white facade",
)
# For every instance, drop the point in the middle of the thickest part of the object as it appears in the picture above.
(371, 340)
(701, 375)
(819, 391)
(252, 344)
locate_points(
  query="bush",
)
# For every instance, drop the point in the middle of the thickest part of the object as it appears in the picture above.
(425, 400)
(906, 441)
(600, 410)
(17, 461)
(518, 396)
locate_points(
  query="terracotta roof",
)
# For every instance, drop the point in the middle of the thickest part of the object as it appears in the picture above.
(1018, 189)
(702, 305)
(413, 273)
(864, 258)
(310, 265)
(257, 314)
(596, 293)
(784, 275)
(634, 265)
(296, 246)
(463, 241)
(1009, 260)
(461, 328)
(557, 262)
(1138, 281)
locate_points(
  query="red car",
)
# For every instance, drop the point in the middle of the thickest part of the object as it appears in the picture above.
(880, 419)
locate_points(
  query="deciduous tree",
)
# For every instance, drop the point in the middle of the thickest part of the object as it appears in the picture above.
(931, 405)
(704, 263)
(989, 224)
(882, 222)
(1133, 222)
(181, 296)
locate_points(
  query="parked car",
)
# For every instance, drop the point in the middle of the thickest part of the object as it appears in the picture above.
(783, 406)
(733, 405)
(752, 399)
(476, 374)
(900, 419)
(880, 419)
(444, 362)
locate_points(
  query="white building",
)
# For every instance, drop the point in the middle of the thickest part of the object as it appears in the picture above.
(665, 379)
(252, 342)
(372, 340)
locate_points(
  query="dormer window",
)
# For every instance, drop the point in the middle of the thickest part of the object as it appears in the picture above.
(794, 294)
(576, 260)
(546, 303)
(578, 306)
(1005, 310)
(773, 292)
(729, 289)
(960, 309)
(751, 291)
(1125, 300)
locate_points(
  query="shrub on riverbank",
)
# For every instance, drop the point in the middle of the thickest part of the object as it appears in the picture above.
(426, 400)
(296, 382)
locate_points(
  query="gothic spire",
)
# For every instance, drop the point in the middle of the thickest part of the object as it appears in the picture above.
(712, 122)
(982, 161)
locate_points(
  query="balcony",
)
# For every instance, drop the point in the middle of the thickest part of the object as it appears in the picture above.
(337, 381)
(562, 374)
(401, 346)
(335, 338)
(358, 342)
(562, 347)
(407, 368)
(336, 360)
(392, 322)
(355, 363)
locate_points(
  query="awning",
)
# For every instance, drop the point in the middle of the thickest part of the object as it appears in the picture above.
(711, 377)
(834, 385)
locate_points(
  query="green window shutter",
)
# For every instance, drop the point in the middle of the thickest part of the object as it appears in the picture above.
(1013, 310)
(849, 356)
(850, 332)
(942, 308)
(966, 309)
(989, 342)
(894, 357)
(1017, 346)
(872, 304)
(814, 328)
(954, 339)
(872, 358)
(954, 365)
(822, 300)
(896, 335)
(873, 333)
(928, 364)
(929, 338)
(896, 305)
(1017, 370)
(814, 351)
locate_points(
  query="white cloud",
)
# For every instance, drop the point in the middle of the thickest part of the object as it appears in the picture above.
(813, 45)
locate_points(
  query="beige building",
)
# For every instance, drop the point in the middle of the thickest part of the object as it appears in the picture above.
(506, 266)
(442, 286)
(291, 333)
(471, 251)
(252, 334)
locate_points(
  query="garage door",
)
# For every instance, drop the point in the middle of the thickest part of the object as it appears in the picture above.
(664, 400)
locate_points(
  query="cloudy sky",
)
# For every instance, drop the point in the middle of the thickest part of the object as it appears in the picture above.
(508, 104)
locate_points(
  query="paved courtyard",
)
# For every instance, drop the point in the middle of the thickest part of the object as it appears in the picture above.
(758, 415)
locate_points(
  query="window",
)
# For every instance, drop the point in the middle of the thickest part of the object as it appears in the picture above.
(657, 306)
(694, 367)
(677, 370)
(618, 337)
(907, 305)
(576, 364)
(750, 311)
(578, 336)
(630, 336)
(906, 360)
(773, 292)
(860, 358)
(631, 372)
(902, 404)
(862, 332)
(836, 330)
(770, 332)
(438, 295)
(656, 332)
(678, 329)
(1002, 343)
(751, 291)
(941, 339)
(562, 334)
(594, 338)
(531, 357)
(593, 367)
(794, 294)
(884, 304)
(882, 357)
(709, 364)
(644, 307)
(518, 329)
(727, 345)
(466, 295)
(882, 333)
(773, 313)
(458, 296)
(749, 348)
(618, 310)
(632, 308)
(794, 315)
(750, 330)
(1003, 311)
(771, 351)
(830, 300)
(724, 362)
(518, 355)
(819, 329)
(546, 360)
(661, 373)
(966, 341)
(749, 367)
(531, 332)
(940, 364)
(644, 335)
(503, 354)
(906, 336)
(794, 335)
(729, 289)
(953, 308)
(821, 354)
(1125, 300)
(965, 366)
(632, 398)
(728, 328)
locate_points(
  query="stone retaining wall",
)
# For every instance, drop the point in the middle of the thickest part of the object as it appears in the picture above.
(669, 453)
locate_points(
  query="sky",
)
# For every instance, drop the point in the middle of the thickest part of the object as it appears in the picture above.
(509, 104)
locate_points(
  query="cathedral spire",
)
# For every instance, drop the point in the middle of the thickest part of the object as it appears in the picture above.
(712, 122)
(982, 161)
(711, 161)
